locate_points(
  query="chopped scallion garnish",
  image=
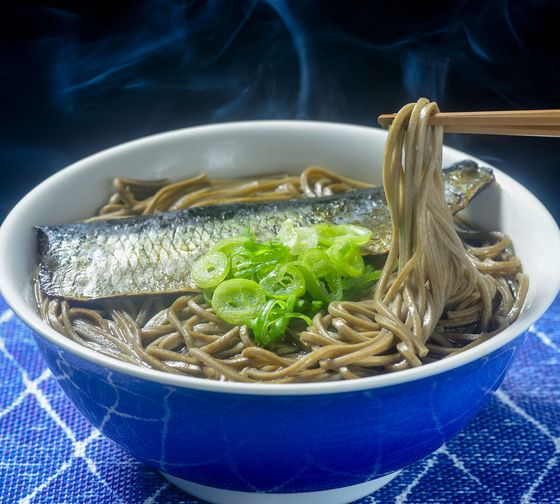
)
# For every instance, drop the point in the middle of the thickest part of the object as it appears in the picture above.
(269, 286)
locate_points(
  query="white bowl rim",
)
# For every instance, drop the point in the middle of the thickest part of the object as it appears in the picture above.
(25, 313)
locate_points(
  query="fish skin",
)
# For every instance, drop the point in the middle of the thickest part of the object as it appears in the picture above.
(153, 254)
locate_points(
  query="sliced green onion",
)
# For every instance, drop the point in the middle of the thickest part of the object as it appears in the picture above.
(323, 281)
(241, 264)
(284, 281)
(329, 233)
(230, 245)
(309, 306)
(253, 260)
(322, 278)
(347, 258)
(267, 256)
(316, 258)
(238, 300)
(207, 294)
(271, 324)
(297, 238)
(268, 285)
(357, 288)
(210, 269)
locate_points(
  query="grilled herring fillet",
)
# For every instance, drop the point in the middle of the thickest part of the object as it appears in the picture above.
(153, 254)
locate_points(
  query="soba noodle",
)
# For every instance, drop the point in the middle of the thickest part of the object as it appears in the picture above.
(444, 287)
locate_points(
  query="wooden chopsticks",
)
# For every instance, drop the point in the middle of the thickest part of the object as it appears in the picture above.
(510, 122)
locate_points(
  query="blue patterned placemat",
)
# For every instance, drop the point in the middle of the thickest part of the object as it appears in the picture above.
(510, 453)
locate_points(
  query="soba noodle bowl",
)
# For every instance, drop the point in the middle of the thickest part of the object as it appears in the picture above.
(444, 287)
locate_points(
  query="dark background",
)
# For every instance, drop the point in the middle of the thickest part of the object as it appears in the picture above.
(77, 77)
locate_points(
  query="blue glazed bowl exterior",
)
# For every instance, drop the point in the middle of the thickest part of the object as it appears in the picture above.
(274, 443)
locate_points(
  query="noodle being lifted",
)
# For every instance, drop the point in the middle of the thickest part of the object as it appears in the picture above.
(440, 284)
(439, 292)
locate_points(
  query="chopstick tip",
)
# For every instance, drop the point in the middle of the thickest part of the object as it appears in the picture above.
(385, 120)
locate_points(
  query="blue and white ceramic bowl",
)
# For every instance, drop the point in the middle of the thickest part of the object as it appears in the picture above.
(231, 442)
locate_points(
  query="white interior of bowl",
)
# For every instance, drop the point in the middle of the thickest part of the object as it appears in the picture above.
(241, 149)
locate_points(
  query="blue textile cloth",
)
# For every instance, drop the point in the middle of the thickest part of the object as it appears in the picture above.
(510, 453)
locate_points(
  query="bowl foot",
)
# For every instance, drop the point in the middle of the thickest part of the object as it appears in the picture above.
(342, 495)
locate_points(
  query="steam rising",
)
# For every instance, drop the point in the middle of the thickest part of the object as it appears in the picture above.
(271, 58)
(89, 77)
